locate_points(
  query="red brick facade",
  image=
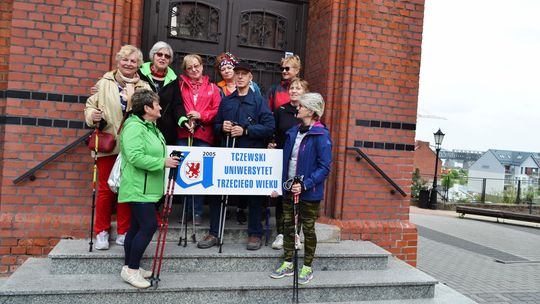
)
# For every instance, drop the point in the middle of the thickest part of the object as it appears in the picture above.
(5, 33)
(363, 56)
(52, 54)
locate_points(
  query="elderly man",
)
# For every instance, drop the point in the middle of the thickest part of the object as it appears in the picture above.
(244, 116)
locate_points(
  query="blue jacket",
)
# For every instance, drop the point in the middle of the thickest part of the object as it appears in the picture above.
(313, 161)
(252, 113)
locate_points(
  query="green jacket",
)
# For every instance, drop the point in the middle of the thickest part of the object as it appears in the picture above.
(147, 72)
(143, 161)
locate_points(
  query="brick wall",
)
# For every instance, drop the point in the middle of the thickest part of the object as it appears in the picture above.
(56, 52)
(5, 32)
(367, 64)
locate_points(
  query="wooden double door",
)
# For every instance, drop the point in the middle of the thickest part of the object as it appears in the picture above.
(258, 31)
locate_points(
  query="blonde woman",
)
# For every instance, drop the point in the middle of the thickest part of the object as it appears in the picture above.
(105, 109)
(201, 101)
(285, 117)
(279, 93)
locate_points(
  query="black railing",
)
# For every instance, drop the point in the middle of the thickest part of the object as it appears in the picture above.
(361, 155)
(30, 173)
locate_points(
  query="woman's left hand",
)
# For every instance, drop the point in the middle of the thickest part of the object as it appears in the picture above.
(194, 115)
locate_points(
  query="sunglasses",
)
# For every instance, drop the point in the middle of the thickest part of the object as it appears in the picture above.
(286, 69)
(160, 54)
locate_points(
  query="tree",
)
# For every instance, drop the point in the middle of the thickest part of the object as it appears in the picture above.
(418, 183)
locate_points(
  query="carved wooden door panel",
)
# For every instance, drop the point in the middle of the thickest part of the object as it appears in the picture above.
(259, 31)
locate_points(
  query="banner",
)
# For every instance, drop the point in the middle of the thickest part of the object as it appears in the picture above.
(229, 171)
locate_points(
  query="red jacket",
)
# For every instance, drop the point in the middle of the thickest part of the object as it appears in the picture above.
(207, 104)
(278, 95)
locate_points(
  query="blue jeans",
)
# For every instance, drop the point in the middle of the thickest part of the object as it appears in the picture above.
(254, 203)
(198, 200)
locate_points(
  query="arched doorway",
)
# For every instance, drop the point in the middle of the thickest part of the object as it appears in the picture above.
(259, 31)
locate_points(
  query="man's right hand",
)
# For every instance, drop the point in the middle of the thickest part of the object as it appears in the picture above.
(227, 126)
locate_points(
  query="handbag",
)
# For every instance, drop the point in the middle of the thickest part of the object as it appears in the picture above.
(106, 142)
(116, 173)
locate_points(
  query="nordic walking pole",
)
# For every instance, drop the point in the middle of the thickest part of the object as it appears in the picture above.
(224, 204)
(94, 179)
(193, 236)
(296, 180)
(162, 236)
(183, 223)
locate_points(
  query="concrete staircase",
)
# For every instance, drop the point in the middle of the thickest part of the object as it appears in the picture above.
(345, 272)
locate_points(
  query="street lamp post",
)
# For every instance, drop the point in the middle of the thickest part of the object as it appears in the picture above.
(439, 136)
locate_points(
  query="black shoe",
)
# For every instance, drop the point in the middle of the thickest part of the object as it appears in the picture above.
(241, 216)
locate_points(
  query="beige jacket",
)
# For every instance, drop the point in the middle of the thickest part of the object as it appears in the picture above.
(107, 99)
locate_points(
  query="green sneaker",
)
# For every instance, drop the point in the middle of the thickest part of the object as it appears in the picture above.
(306, 275)
(285, 270)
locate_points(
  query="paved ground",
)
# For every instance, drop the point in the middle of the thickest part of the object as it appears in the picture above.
(489, 262)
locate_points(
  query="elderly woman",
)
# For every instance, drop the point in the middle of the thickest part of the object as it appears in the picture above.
(105, 109)
(285, 117)
(307, 152)
(279, 93)
(201, 102)
(144, 157)
(164, 81)
(225, 63)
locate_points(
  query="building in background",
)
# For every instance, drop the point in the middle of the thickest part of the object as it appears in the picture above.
(424, 160)
(503, 169)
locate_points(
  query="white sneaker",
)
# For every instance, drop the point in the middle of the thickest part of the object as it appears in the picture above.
(120, 239)
(145, 273)
(135, 279)
(123, 273)
(102, 240)
(278, 242)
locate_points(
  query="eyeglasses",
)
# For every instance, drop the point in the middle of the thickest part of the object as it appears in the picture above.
(194, 67)
(286, 69)
(160, 54)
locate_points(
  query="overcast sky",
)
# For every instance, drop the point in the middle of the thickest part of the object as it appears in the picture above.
(480, 74)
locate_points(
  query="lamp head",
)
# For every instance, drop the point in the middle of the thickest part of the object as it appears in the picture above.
(439, 136)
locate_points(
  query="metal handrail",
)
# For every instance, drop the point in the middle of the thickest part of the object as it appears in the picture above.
(361, 155)
(30, 173)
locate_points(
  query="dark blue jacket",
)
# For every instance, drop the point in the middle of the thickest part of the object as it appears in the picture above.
(313, 161)
(252, 113)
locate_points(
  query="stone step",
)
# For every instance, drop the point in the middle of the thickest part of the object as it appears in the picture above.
(443, 295)
(234, 232)
(34, 283)
(72, 256)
